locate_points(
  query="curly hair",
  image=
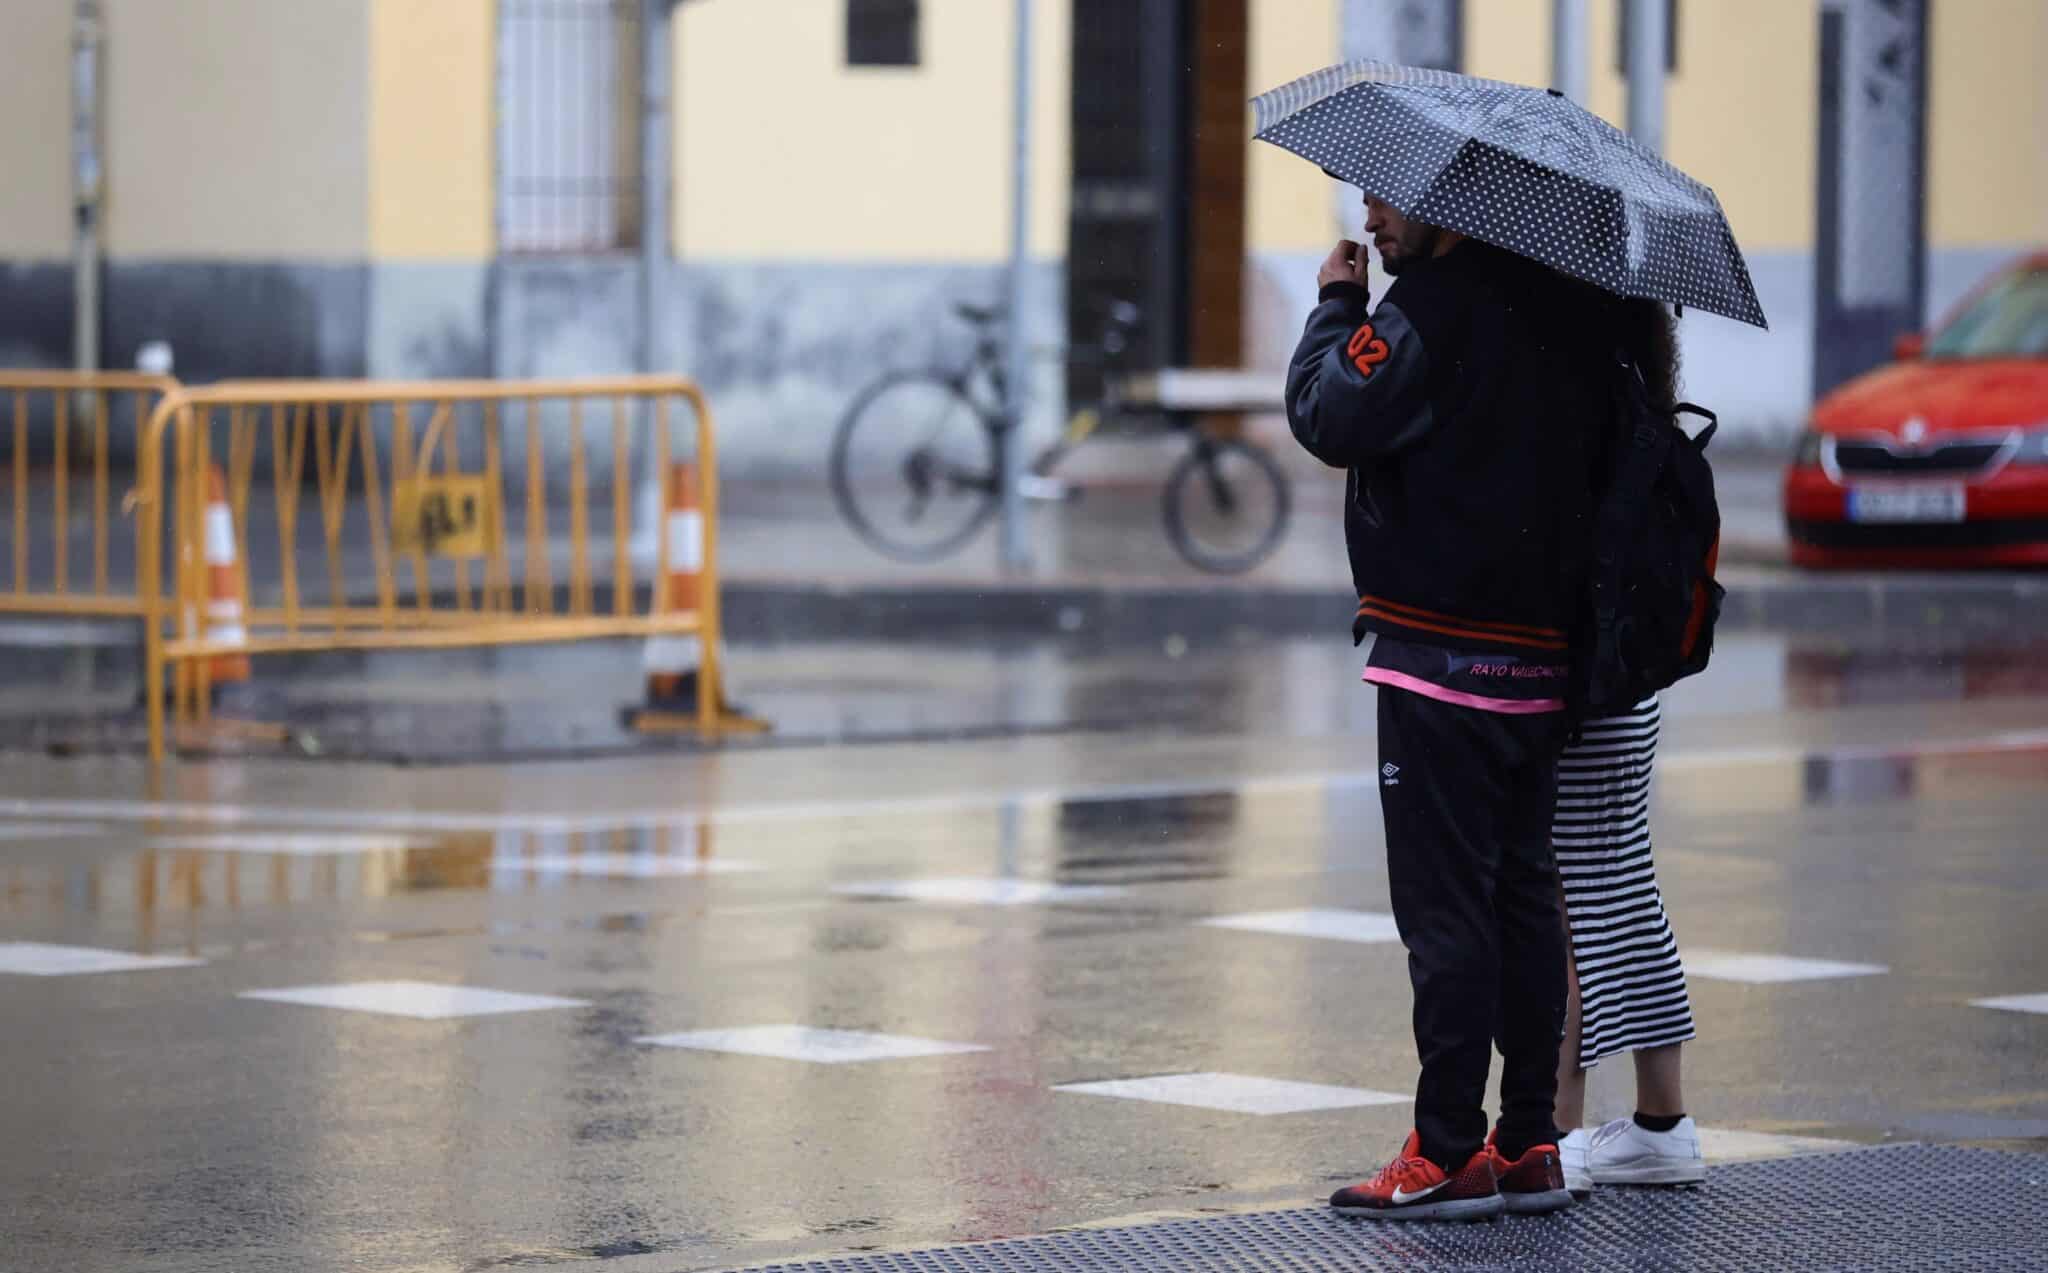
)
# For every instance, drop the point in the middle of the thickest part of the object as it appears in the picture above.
(1650, 330)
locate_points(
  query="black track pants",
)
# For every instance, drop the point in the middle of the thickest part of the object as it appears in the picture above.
(1467, 796)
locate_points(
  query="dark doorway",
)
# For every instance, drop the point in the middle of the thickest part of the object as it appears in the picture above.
(1157, 216)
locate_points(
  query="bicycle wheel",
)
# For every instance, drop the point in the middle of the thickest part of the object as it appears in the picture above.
(1227, 505)
(914, 466)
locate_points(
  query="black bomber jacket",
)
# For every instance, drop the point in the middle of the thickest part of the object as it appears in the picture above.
(1468, 408)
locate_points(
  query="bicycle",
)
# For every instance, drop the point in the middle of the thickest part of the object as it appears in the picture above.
(916, 462)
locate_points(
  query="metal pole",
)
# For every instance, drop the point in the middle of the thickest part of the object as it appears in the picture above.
(1570, 65)
(87, 188)
(1016, 542)
(1646, 43)
(656, 126)
(654, 175)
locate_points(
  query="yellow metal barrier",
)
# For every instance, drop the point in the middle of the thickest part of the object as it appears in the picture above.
(87, 414)
(404, 488)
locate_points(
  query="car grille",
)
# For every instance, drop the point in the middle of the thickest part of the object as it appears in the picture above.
(2003, 533)
(1953, 458)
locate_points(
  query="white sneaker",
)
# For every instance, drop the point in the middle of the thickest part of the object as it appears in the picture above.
(1571, 1155)
(1621, 1153)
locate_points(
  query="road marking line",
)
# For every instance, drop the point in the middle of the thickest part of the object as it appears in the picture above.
(49, 830)
(2014, 1003)
(955, 802)
(1331, 925)
(975, 891)
(420, 1000)
(1766, 969)
(42, 959)
(802, 1043)
(1236, 1093)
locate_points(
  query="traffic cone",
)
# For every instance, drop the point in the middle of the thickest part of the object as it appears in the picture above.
(674, 662)
(671, 661)
(223, 583)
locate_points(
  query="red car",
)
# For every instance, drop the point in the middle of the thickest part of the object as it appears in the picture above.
(1940, 459)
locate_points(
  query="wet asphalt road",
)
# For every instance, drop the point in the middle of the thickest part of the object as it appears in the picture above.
(1870, 805)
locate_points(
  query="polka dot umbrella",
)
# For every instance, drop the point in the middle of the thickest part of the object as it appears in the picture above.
(1525, 169)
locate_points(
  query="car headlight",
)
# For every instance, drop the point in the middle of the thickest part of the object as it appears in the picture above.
(1808, 450)
(2033, 447)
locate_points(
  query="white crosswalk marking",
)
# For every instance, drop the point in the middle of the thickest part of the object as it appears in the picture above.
(977, 891)
(1755, 969)
(801, 1043)
(421, 1000)
(1332, 925)
(1235, 1093)
(2015, 1003)
(40, 959)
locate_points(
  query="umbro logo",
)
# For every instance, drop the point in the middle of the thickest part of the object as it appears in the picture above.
(1390, 775)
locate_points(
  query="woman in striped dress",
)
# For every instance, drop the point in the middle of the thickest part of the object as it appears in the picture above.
(1627, 988)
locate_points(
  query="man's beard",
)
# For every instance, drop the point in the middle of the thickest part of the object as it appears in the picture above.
(1416, 242)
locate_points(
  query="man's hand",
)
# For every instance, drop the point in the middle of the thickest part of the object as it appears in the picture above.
(1345, 264)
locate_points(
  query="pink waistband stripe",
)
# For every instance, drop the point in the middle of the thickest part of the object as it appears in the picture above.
(1479, 702)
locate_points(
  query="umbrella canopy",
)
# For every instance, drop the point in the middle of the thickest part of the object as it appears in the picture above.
(1525, 169)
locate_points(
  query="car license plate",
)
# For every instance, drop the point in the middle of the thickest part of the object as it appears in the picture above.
(1943, 503)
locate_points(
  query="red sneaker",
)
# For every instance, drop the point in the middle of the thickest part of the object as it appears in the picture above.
(1532, 1184)
(1413, 1188)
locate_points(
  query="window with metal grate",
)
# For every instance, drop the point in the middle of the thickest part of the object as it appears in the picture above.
(569, 102)
(882, 32)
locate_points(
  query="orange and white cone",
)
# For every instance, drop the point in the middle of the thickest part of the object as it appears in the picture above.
(223, 583)
(672, 660)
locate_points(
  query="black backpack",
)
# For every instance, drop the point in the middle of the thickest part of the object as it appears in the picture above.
(1647, 618)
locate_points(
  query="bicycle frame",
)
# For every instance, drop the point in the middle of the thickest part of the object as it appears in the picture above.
(980, 384)
(986, 366)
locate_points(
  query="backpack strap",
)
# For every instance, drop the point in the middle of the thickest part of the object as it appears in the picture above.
(1633, 475)
(1705, 435)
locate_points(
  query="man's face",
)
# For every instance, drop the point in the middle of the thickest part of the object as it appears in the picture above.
(1397, 239)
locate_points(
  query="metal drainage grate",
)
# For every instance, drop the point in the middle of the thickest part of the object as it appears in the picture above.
(1904, 1206)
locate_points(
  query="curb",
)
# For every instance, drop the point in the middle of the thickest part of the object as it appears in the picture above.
(2008, 605)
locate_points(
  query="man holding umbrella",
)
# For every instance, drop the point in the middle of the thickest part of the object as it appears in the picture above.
(1471, 410)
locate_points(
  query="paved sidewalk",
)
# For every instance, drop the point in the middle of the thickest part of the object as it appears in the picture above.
(1115, 529)
(1101, 566)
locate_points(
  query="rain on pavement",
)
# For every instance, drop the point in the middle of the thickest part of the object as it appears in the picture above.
(683, 955)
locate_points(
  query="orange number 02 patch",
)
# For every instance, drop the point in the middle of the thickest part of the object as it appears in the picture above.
(1367, 350)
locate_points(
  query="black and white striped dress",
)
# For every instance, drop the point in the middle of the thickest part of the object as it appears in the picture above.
(1631, 984)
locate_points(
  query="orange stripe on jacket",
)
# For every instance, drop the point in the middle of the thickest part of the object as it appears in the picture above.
(1446, 630)
(1526, 630)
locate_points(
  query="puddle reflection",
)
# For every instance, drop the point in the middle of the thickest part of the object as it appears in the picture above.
(1853, 775)
(1156, 839)
(1819, 676)
(157, 880)
(1839, 780)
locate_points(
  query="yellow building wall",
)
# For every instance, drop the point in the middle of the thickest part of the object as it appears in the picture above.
(1288, 200)
(1987, 125)
(1509, 39)
(1740, 112)
(431, 145)
(35, 155)
(236, 129)
(783, 152)
(334, 129)
(1606, 87)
